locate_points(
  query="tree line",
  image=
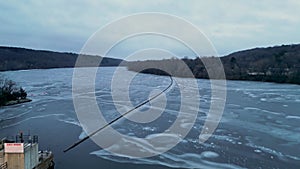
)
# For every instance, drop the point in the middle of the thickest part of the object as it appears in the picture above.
(13, 58)
(279, 64)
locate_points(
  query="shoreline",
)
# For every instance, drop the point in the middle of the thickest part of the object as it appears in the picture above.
(14, 102)
(247, 80)
(243, 80)
(11, 70)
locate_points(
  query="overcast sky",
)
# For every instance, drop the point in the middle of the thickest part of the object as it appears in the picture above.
(231, 25)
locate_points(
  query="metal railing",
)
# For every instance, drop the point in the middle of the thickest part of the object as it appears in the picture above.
(3, 166)
(26, 139)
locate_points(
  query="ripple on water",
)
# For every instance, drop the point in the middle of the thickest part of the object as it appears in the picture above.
(209, 154)
(186, 160)
(293, 117)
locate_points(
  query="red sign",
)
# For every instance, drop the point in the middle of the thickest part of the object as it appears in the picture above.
(13, 147)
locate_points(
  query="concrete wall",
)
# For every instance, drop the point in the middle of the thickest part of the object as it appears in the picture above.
(15, 160)
(31, 155)
(2, 160)
(27, 160)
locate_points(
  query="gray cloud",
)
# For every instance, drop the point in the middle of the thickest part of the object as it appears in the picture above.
(66, 25)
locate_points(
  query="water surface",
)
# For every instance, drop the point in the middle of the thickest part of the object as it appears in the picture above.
(260, 127)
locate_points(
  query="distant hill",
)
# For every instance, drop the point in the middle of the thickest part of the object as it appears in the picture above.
(13, 58)
(272, 64)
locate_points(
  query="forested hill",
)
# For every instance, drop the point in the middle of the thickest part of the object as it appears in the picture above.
(13, 58)
(273, 64)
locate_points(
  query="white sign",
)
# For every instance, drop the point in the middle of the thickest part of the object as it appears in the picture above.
(13, 147)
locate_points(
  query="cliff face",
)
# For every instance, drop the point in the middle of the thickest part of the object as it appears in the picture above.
(12, 58)
(273, 64)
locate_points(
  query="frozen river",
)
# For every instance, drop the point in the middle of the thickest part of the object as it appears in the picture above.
(260, 126)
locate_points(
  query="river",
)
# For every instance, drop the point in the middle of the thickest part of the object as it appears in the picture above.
(260, 126)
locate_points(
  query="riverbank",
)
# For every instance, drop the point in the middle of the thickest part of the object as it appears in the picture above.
(279, 64)
(14, 102)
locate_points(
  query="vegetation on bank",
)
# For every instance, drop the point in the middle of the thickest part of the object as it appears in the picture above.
(11, 94)
(273, 64)
(279, 64)
(13, 58)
